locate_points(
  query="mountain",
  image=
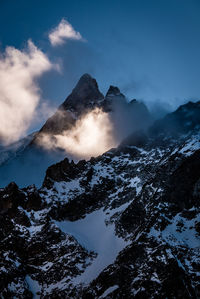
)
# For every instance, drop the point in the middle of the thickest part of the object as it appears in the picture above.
(184, 119)
(35, 156)
(125, 224)
(85, 97)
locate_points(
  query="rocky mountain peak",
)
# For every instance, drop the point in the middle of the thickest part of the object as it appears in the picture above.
(86, 82)
(85, 93)
(114, 91)
(86, 79)
(84, 97)
(183, 120)
(190, 107)
(141, 199)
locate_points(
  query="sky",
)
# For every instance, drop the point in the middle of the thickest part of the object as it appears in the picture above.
(149, 49)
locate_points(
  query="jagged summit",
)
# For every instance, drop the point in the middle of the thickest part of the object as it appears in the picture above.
(189, 106)
(86, 79)
(113, 91)
(84, 97)
(186, 118)
(140, 199)
(85, 93)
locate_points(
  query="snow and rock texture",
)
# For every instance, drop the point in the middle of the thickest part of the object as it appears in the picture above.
(123, 225)
(34, 154)
(84, 98)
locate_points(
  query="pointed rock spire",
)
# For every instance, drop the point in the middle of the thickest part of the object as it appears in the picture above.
(85, 94)
(114, 91)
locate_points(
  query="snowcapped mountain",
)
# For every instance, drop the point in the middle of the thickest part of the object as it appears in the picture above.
(125, 224)
(33, 157)
(86, 97)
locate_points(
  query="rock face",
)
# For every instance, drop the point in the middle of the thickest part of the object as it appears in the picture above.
(84, 98)
(86, 94)
(184, 119)
(35, 153)
(123, 225)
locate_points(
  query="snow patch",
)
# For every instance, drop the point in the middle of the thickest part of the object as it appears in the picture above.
(93, 234)
(108, 291)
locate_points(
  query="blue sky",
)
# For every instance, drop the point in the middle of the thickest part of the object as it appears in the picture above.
(149, 49)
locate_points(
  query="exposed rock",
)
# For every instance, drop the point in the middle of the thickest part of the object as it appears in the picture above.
(85, 95)
(181, 121)
(114, 91)
(84, 98)
(122, 225)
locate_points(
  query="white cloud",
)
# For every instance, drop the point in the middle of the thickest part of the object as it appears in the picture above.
(62, 32)
(19, 92)
(91, 136)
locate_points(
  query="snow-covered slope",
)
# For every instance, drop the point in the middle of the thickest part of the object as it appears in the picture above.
(34, 154)
(123, 225)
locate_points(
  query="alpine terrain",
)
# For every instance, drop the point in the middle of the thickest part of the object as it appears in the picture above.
(124, 224)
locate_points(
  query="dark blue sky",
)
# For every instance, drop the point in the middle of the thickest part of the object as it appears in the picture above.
(150, 49)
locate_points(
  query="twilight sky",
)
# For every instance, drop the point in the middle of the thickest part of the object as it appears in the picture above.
(149, 49)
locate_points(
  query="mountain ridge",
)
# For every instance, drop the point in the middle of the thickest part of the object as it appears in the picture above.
(125, 224)
(84, 98)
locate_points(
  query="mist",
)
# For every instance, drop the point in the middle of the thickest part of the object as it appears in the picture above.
(128, 117)
(92, 135)
(29, 167)
(25, 80)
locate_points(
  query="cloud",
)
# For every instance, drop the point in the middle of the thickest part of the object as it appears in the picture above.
(91, 136)
(19, 91)
(62, 32)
